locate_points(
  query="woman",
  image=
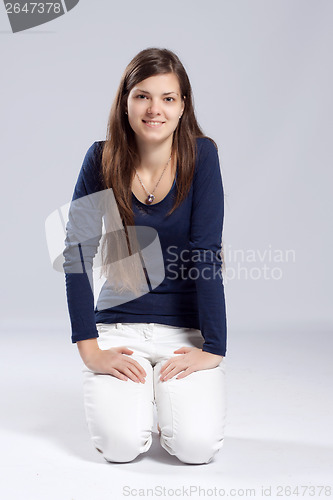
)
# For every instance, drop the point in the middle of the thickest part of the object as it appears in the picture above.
(163, 343)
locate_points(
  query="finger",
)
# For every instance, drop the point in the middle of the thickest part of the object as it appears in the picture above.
(166, 365)
(185, 373)
(172, 373)
(136, 372)
(138, 366)
(124, 349)
(169, 362)
(115, 373)
(182, 350)
(164, 370)
(128, 369)
(167, 370)
(131, 374)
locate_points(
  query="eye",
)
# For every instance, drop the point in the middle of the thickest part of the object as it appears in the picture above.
(142, 95)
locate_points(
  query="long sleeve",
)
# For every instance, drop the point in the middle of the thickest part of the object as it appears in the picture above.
(205, 243)
(83, 232)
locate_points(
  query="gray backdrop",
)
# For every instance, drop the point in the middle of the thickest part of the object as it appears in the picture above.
(261, 75)
(262, 80)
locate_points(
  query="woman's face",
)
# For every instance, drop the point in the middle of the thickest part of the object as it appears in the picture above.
(155, 99)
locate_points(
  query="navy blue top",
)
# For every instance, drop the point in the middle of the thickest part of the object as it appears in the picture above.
(193, 298)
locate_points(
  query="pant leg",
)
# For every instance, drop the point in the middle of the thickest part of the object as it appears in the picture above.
(192, 410)
(119, 414)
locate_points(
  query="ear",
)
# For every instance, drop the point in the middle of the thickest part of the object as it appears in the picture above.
(184, 97)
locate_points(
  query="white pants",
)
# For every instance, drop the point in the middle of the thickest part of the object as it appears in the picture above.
(191, 410)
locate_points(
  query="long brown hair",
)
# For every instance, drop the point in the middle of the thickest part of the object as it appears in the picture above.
(120, 156)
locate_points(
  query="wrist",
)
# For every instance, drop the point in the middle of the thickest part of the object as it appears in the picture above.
(212, 354)
(87, 348)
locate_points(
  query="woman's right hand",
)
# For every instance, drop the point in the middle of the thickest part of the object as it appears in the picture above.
(115, 362)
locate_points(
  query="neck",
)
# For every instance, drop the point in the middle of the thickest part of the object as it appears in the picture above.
(154, 156)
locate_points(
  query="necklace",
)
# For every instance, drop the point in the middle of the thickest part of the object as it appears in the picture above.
(151, 197)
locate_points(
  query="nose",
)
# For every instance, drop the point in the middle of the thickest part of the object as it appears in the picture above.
(153, 108)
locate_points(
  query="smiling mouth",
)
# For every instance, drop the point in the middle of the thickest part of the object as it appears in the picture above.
(152, 123)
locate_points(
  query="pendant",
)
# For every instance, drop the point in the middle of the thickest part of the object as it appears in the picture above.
(150, 198)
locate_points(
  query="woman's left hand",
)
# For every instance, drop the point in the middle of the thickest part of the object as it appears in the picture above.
(193, 360)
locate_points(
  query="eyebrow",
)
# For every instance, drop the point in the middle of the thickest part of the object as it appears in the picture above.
(146, 92)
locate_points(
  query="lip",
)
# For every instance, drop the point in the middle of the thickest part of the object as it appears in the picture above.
(153, 126)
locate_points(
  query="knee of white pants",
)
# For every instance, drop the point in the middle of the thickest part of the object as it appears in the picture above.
(124, 450)
(197, 450)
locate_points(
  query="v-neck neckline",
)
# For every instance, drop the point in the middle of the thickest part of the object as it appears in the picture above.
(165, 197)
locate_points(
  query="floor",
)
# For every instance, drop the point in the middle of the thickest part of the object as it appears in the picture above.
(278, 436)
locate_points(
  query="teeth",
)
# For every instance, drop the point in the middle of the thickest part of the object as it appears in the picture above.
(154, 123)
